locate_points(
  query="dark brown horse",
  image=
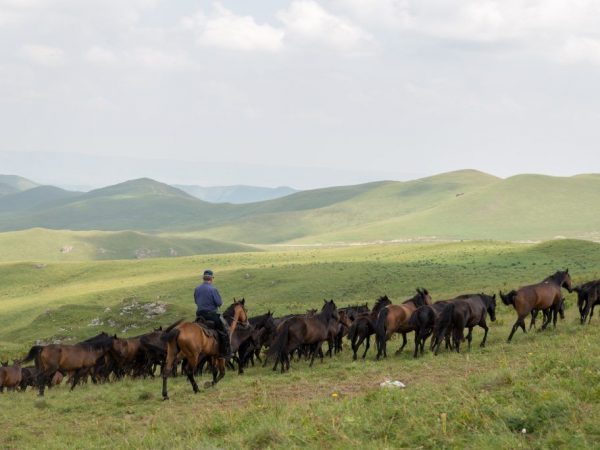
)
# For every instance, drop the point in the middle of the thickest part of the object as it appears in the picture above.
(465, 311)
(395, 319)
(423, 320)
(363, 327)
(192, 341)
(541, 296)
(76, 359)
(297, 332)
(588, 296)
(10, 376)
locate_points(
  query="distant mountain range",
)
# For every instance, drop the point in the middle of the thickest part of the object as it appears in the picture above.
(465, 204)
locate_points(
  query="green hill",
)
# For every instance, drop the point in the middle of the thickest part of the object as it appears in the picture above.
(465, 204)
(35, 198)
(38, 244)
(13, 183)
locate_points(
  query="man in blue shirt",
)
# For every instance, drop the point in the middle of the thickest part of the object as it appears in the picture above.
(208, 301)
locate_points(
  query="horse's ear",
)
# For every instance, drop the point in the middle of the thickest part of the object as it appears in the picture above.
(243, 301)
(494, 296)
(567, 271)
(115, 336)
(425, 291)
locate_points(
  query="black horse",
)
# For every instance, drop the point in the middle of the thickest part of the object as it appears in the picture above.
(363, 327)
(423, 320)
(465, 311)
(588, 296)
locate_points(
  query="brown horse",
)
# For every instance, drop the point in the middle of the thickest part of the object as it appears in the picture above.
(395, 319)
(10, 376)
(540, 296)
(125, 353)
(297, 332)
(192, 341)
(78, 359)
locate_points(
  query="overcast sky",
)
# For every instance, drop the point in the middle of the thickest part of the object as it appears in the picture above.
(361, 89)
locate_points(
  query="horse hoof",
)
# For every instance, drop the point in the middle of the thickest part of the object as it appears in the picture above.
(208, 384)
(165, 397)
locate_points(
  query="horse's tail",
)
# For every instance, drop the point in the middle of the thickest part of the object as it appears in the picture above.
(444, 321)
(171, 335)
(279, 345)
(380, 328)
(170, 327)
(352, 330)
(34, 353)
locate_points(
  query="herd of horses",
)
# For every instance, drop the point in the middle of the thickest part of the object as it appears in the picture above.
(192, 347)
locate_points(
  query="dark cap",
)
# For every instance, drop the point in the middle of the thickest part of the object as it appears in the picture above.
(208, 273)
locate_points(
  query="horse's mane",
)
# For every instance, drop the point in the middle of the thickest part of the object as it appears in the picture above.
(99, 343)
(418, 299)
(359, 307)
(556, 277)
(381, 302)
(230, 311)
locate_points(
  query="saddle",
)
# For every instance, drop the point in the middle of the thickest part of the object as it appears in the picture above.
(207, 326)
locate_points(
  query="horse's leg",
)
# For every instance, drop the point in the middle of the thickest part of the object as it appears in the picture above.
(547, 318)
(404, 341)
(591, 313)
(312, 357)
(554, 315)
(515, 327)
(469, 338)
(485, 328)
(354, 347)
(534, 313)
(190, 376)
(417, 336)
(367, 346)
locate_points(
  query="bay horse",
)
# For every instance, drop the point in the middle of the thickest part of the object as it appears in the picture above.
(10, 376)
(363, 327)
(395, 319)
(588, 296)
(296, 332)
(541, 296)
(192, 341)
(77, 359)
(464, 311)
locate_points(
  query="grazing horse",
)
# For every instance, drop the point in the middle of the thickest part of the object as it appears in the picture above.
(465, 311)
(423, 320)
(395, 319)
(540, 296)
(77, 359)
(295, 332)
(363, 327)
(588, 296)
(192, 340)
(10, 376)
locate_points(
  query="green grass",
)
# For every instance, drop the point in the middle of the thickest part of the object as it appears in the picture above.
(39, 244)
(545, 382)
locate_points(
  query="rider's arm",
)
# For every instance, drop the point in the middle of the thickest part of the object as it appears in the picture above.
(217, 298)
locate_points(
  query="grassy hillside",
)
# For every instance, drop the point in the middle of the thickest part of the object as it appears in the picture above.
(465, 204)
(544, 383)
(34, 199)
(40, 245)
(458, 205)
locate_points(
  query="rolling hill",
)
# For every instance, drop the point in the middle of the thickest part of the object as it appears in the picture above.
(39, 244)
(464, 204)
(10, 184)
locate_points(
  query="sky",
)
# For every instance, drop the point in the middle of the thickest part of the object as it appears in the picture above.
(298, 92)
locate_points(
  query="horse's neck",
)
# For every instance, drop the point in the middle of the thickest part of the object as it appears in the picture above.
(324, 316)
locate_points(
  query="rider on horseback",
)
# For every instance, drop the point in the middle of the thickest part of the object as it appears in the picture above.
(208, 301)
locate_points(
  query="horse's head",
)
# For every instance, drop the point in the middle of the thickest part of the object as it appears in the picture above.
(345, 318)
(490, 305)
(240, 311)
(567, 283)
(507, 299)
(422, 298)
(329, 310)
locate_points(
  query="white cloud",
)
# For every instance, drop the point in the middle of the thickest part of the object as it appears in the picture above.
(43, 55)
(307, 21)
(580, 49)
(224, 29)
(158, 59)
(101, 56)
